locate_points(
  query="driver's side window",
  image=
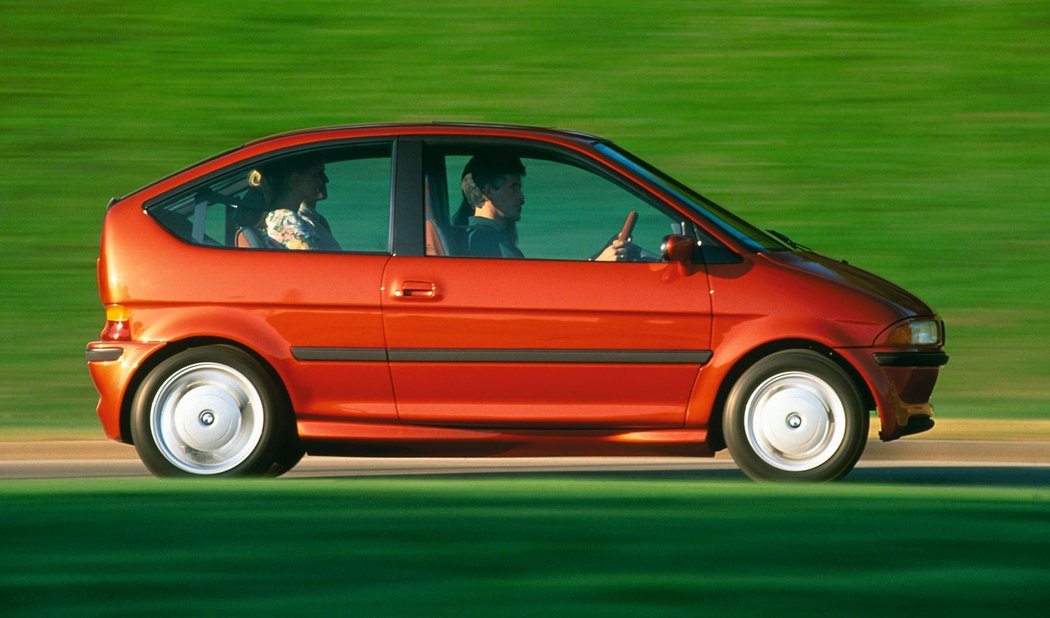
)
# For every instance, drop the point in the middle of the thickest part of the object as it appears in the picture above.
(571, 213)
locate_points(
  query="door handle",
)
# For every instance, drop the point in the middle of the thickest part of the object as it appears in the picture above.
(422, 290)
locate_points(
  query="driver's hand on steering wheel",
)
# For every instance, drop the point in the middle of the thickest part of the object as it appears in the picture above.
(616, 251)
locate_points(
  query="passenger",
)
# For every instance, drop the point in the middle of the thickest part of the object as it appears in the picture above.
(293, 188)
(251, 217)
(491, 208)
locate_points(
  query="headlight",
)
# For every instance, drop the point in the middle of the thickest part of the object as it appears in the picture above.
(916, 332)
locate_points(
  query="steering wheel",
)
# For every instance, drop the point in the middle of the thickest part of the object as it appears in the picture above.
(628, 227)
(632, 252)
(624, 235)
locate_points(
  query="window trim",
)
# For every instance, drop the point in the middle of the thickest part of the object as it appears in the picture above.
(407, 227)
(707, 212)
(244, 165)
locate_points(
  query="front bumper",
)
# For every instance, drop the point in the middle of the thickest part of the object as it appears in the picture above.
(911, 359)
(901, 383)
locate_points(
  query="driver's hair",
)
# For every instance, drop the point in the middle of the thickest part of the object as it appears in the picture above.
(484, 170)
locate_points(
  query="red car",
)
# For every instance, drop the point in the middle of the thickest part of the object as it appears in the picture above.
(454, 289)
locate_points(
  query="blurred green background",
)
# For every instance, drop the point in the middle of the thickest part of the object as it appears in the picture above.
(912, 138)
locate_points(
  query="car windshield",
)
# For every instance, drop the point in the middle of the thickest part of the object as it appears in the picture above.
(748, 235)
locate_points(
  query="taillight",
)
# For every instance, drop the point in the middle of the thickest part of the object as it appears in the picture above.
(118, 327)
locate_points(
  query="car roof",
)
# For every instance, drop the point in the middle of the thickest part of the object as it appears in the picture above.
(350, 131)
(436, 128)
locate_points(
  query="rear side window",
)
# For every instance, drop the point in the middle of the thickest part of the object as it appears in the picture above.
(334, 199)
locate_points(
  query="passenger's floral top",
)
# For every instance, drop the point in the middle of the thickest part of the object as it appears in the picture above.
(294, 231)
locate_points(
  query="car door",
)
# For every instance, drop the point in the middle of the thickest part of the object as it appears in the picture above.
(551, 340)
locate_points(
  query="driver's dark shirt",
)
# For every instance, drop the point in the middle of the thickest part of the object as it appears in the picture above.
(485, 238)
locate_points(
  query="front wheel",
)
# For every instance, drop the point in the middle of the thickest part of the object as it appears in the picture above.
(212, 411)
(795, 415)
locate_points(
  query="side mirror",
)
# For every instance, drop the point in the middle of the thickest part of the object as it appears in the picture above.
(677, 249)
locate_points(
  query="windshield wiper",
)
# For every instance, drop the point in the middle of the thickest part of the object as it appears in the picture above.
(787, 241)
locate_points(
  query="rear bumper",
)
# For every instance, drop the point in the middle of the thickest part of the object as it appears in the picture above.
(113, 366)
(901, 383)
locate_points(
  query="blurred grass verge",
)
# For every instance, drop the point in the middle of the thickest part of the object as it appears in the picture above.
(519, 547)
(912, 139)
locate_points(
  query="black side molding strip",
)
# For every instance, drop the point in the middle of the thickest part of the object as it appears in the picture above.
(375, 355)
(675, 357)
(103, 354)
(911, 359)
(487, 355)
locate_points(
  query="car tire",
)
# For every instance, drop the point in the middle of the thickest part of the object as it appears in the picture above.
(212, 411)
(795, 415)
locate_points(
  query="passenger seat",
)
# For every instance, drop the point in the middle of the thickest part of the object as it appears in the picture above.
(252, 238)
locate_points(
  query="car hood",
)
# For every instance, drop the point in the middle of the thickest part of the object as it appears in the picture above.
(861, 280)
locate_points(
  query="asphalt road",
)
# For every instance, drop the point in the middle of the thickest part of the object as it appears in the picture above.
(936, 462)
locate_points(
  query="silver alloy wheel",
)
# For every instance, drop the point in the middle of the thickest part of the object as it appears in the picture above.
(207, 418)
(795, 421)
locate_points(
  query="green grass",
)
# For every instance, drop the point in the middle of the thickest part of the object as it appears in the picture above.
(912, 138)
(519, 547)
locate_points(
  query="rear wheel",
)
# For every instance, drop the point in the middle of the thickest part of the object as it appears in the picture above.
(212, 411)
(795, 415)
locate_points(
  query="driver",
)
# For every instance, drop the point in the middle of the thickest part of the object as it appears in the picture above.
(491, 208)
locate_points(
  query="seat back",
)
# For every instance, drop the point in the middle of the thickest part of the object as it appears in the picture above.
(439, 241)
(435, 244)
(252, 238)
